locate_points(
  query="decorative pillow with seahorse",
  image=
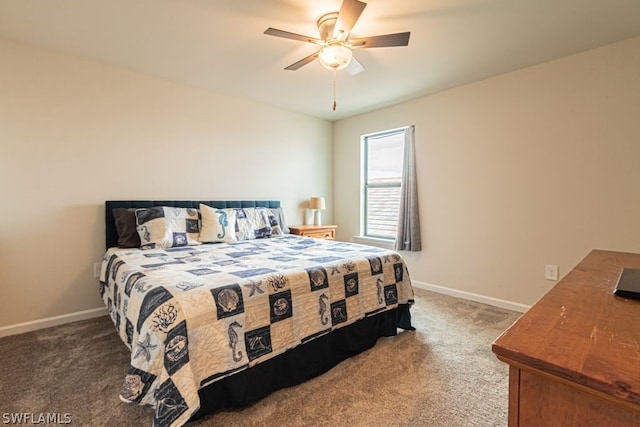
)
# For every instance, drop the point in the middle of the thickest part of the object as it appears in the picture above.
(217, 225)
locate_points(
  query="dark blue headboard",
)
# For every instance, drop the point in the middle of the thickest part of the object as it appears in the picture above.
(111, 236)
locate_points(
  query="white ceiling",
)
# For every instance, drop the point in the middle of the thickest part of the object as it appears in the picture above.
(220, 45)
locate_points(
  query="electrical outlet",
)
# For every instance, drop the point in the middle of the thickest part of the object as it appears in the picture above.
(96, 269)
(551, 272)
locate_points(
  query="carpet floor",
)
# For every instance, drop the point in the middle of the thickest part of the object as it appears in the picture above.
(442, 374)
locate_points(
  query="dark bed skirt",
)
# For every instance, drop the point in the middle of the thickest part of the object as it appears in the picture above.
(301, 363)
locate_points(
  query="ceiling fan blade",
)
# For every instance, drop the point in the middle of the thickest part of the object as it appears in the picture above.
(387, 40)
(354, 67)
(349, 13)
(287, 35)
(302, 62)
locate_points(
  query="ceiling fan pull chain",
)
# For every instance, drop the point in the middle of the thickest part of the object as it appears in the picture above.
(334, 89)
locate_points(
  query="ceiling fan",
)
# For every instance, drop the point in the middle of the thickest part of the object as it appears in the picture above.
(335, 27)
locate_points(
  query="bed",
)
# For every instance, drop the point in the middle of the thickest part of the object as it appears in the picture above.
(221, 325)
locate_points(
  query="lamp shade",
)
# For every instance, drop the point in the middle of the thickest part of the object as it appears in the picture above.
(335, 56)
(317, 203)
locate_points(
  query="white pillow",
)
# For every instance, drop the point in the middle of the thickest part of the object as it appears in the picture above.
(218, 225)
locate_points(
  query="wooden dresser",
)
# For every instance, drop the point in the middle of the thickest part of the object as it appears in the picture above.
(574, 357)
(316, 231)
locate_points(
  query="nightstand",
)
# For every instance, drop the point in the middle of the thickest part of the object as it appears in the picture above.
(315, 231)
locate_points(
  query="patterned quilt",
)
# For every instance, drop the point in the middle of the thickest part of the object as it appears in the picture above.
(192, 315)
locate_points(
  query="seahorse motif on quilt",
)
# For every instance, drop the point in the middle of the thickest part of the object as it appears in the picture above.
(233, 341)
(323, 308)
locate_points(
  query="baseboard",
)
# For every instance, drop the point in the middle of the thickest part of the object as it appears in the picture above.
(34, 325)
(496, 302)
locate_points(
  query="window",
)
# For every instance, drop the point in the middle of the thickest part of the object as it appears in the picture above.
(383, 154)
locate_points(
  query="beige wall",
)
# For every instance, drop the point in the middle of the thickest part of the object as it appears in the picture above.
(534, 167)
(524, 169)
(74, 133)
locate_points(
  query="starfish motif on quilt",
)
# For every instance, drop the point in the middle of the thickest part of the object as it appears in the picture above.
(255, 287)
(145, 347)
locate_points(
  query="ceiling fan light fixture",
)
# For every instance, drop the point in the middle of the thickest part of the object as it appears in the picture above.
(335, 56)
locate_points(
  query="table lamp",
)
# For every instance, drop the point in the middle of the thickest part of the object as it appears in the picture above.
(317, 204)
